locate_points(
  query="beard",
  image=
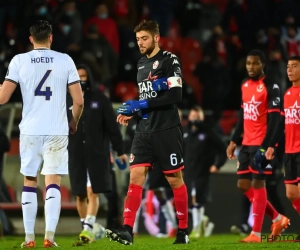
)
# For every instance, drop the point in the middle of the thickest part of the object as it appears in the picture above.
(149, 50)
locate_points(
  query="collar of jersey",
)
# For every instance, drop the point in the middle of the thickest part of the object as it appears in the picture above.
(155, 57)
(42, 48)
(257, 81)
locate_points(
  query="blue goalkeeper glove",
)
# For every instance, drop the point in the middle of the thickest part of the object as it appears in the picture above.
(260, 160)
(160, 84)
(130, 107)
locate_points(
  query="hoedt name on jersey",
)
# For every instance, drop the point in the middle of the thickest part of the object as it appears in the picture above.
(42, 59)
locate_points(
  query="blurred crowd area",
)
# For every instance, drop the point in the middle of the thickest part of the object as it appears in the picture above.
(211, 38)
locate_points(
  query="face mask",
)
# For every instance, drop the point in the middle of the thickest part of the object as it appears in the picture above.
(70, 13)
(194, 125)
(43, 11)
(103, 16)
(66, 29)
(83, 85)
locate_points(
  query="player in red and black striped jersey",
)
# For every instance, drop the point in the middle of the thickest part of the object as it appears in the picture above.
(292, 134)
(259, 120)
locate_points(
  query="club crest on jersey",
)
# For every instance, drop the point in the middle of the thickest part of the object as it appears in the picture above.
(131, 158)
(260, 87)
(155, 64)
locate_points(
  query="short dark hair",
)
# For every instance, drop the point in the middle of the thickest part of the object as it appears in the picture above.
(150, 26)
(40, 31)
(259, 53)
(294, 58)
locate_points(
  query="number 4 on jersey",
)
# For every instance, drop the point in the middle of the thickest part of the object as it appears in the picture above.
(47, 92)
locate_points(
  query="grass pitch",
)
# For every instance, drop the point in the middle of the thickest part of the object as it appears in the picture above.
(215, 242)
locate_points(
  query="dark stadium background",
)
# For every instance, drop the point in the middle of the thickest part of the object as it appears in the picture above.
(211, 38)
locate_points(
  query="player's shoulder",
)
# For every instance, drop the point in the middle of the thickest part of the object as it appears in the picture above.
(288, 91)
(270, 83)
(62, 56)
(244, 82)
(167, 55)
(142, 60)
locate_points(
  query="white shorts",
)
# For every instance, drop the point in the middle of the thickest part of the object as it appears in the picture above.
(51, 150)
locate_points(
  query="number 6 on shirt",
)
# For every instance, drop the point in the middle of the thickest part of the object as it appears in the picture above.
(47, 92)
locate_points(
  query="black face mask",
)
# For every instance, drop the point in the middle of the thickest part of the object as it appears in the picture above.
(84, 85)
(196, 124)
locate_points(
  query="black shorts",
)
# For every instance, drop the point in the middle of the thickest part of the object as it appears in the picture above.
(292, 168)
(245, 169)
(162, 149)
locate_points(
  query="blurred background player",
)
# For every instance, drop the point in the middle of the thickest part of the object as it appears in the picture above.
(42, 74)
(158, 138)
(205, 153)
(89, 154)
(292, 135)
(259, 122)
(272, 182)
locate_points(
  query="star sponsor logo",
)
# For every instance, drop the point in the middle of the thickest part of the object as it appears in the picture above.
(292, 114)
(251, 109)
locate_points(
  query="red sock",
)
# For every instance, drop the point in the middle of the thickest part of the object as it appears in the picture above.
(181, 206)
(270, 210)
(259, 207)
(132, 203)
(250, 193)
(296, 205)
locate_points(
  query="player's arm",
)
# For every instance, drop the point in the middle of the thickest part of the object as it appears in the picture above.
(239, 128)
(174, 80)
(111, 127)
(274, 118)
(11, 81)
(219, 148)
(236, 136)
(75, 91)
(172, 96)
(77, 97)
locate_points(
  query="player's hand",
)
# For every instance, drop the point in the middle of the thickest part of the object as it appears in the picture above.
(230, 150)
(160, 84)
(130, 107)
(123, 158)
(123, 119)
(72, 126)
(270, 153)
(213, 169)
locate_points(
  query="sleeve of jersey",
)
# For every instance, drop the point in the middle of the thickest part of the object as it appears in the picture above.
(274, 117)
(12, 74)
(239, 129)
(73, 74)
(274, 100)
(173, 71)
(174, 78)
(220, 150)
